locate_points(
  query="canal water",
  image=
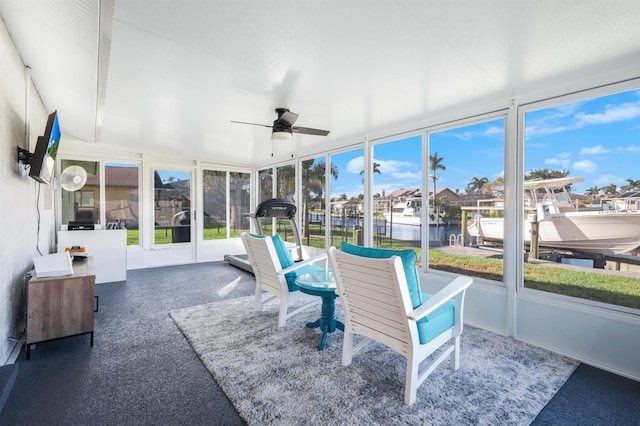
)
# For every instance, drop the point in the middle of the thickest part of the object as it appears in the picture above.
(404, 232)
(441, 233)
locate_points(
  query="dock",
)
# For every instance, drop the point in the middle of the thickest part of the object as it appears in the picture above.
(496, 252)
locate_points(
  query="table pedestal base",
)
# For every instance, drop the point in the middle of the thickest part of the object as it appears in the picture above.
(327, 322)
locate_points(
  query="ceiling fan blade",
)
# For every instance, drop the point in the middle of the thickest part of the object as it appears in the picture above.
(309, 131)
(284, 124)
(253, 124)
(285, 117)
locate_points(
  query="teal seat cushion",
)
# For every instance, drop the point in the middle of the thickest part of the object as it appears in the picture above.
(285, 261)
(437, 321)
(409, 259)
(283, 253)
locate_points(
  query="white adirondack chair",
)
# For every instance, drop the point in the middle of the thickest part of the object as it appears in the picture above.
(266, 261)
(377, 305)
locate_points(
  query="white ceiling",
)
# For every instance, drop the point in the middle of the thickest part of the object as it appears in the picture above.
(173, 74)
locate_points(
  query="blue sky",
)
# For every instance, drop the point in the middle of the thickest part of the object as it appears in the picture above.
(597, 139)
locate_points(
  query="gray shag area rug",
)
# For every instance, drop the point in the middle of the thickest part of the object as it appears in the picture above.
(280, 377)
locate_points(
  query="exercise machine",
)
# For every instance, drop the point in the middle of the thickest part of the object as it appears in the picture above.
(279, 208)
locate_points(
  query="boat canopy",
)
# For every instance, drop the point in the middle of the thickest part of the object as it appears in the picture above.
(551, 183)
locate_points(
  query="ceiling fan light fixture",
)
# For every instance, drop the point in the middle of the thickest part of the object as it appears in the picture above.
(283, 128)
(281, 135)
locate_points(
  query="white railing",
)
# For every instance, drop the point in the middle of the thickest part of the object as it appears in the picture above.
(456, 240)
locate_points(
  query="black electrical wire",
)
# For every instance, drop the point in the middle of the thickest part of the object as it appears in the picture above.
(38, 217)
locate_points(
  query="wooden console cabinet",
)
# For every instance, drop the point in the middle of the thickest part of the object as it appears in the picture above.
(61, 306)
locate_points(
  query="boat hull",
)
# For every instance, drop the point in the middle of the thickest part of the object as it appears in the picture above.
(400, 219)
(605, 232)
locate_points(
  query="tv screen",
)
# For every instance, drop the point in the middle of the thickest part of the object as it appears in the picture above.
(43, 160)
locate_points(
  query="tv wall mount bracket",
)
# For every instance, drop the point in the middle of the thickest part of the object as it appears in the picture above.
(24, 156)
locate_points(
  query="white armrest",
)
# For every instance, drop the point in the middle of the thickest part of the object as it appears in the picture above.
(455, 287)
(309, 261)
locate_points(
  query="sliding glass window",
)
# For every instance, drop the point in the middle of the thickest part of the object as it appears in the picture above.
(347, 195)
(582, 198)
(239, 203)
(121, 192)
(80, 184)
(313, 201)
(265, 181)
(285, 188)
(286, 176)
(214, 201)
(397, 194)
(466, 199)
(172, 207)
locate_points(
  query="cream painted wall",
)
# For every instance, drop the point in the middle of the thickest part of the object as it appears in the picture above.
(18, 192)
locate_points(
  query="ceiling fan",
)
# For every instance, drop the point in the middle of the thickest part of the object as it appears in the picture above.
(282, 127)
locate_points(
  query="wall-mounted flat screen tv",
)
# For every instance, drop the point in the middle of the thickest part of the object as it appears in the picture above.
(43, 160)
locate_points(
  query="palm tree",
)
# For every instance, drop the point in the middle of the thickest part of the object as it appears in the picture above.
(476, 185)
(592, 192)
(496, 188)
(376, 169)
(286, 182)
(435, 164)
(610, 190)
(313, 186)
(631, 185)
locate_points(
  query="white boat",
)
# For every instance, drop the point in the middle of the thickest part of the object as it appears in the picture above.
(611, 227)
(408, 212)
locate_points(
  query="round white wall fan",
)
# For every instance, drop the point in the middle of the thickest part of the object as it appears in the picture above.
(73, 178)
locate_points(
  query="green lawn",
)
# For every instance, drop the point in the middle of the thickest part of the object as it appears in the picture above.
(133, 237)
(164, 236)
(613, 289)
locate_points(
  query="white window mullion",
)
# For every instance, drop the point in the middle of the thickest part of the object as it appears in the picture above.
(513, 218)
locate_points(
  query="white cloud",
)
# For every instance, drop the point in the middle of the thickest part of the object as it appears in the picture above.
(594, 150)
(552, 122)
(607, 179)
(563, 163)
(561, 160)
(390, 166)
(612, 113)
(534, 130)
(585, 166)
(630, 148)
(355, 165)
(555, 121)
(465, 136)
(493, 131)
